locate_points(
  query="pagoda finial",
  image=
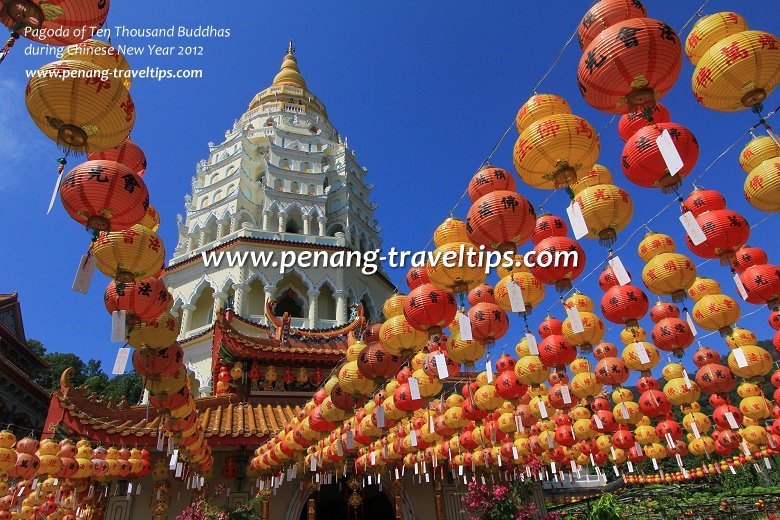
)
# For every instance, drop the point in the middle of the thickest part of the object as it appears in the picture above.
(289, 73)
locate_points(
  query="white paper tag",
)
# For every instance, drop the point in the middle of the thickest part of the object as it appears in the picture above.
(739, 356)
(414, 388)
(441, 366)
(577, 220)
(373, 459)
(617, 473)
(160, 441)
(179, 469)
(515, 455)
(84, 274)
(350, 440)
(313, 464)
(489, 369)
(630, 466)
(685, 472)
(519, 423)
(674, 162)
(655, 464)
(174, 460)
(413, 437)
(565, 394)
(542, 410)
(118, 320)
(767, 464)
(692, 228)
(120, 363)
(686, 379)
(380, 416)
(620, 272)
(679, 460)
(533, 347)
(552, 467)
(516, 301)
(745, 448)
(597, 421)
(641, 352)
(465, 327)
(733, 471)
(731, 420)
(624, 411)
(574, 319)
(54, 193)
(691, 324)
(695, 428)
(740, 286)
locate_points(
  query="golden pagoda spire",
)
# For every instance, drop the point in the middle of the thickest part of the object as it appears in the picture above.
(289, 73)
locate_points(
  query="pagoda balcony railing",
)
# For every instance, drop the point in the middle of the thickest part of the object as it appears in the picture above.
(299, 322)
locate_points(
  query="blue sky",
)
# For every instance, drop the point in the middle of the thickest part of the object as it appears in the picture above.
(423, 90)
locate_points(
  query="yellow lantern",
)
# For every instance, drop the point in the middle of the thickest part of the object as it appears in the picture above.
(429, 385)
(451, 230)
(632, 333)
(540, 106)
(167, 385)
(486, 398)
(759, 362)
(531, 288)
(530, 370)
(400, 338)
(737, 72)
(633, 361)
(762, 186)
(463, 275)
(394, 306)
(129, 254)
(758, 150)
(79, 106)
(739, 337)
(551, 152)
(654, 244)
(592, 331)
(465, 352)
(716, 312)
(678, 392)
(580, 302)
(627, 412)
(709, 30)
(669, 274)
(103, 55)
(596, 175)
(703, 287)
(352, 380)
(607, 209)
(353, 351)
(151, 218)
(702, 446)
(755, 407)
(158, 334)
(585, 385)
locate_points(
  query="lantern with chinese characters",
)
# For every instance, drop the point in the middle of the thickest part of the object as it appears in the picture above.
(629, 65)
(129, 254)
(399, 337)
(156, 334)
(558, 262)
(145, 299)
(465, 352)
(624, 304)
(531, 289)
(429, 308)
(666, 273)
(630, 123)
(104, 195)
(736, 68)
(606, 210)
(604, 14)
(644, 165)
(488, 322)
(726, 231)
(762, 185)
(71, 104)
(490, 178)
(500, 220)
(538, 107)
(716, 312)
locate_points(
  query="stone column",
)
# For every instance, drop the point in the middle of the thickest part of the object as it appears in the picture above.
(313, 295)
(233, 223)
(307, 224)
(282, 221)
(341, 306)
(186, 318)
(222, 227)
(322, 221)
(266, 220)
(238, 298)
(219, 302)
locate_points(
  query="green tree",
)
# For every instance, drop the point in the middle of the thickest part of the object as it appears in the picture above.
(49, 378)
(36, 346)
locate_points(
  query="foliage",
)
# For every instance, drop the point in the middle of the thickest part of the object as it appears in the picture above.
(502, 502)
(606, 508)
(89, 374)
(204, 507)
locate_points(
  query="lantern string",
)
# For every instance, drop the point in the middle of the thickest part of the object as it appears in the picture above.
(697, 14)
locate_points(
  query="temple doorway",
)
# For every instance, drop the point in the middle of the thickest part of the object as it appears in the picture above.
(332, 504)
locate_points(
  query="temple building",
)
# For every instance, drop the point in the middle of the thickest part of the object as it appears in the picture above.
(23, 402)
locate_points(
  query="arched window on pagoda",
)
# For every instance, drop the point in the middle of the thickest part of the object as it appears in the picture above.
(254, 303)
(204, 309)
(289, 303)
(326, 303)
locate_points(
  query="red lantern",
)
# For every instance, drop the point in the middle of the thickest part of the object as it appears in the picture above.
(774, 320)
(508, 387)
(700, 201)
(104, 195)
(548, 226)
(629, 65)
(704, 356)
(714, 378)
(567, 261)
(748, 256)
(145, 299)
(403, 399)
(550, 326)
(654, 403)
(416, 276)
(719, 415)
(630, 123)
(489, 179)
(662, 310)
(488, 322)
(505, 363)
(161, 363)
(612, 371)
(555, 351)
(672, 335)
(375, 362)
(501, 220)
(762, 284)
(643, 163)
(431, 369)
(482, 294)
(254, 371)
(607, 279)
(429, 308)
(606, 13)
(624, 304)
(604, 350)
(128, 153)
(726, 232)
(623, 439)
